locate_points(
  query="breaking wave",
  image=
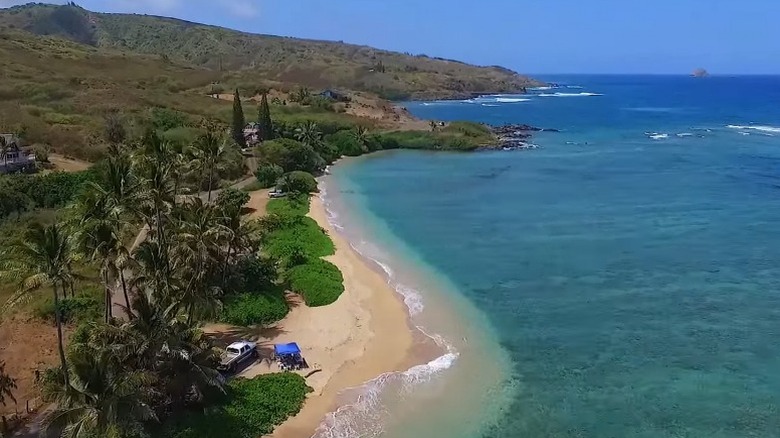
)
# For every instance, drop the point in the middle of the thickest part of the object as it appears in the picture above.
(583, 94)
(764, 129)
(511, 100)
(657, 135)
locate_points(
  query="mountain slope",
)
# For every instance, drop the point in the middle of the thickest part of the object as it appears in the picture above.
(276, 59)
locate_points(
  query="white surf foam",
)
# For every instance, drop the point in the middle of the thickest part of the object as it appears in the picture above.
(511, 100)
(363, 417)
(760, 128)
(684, 134)
(583, 94)
(489, 104)
(540, 88)
(656, 135)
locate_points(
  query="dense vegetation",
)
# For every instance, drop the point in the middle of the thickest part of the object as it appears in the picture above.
(318, 64)
(299, 243)
(251, 408)
(121, 375)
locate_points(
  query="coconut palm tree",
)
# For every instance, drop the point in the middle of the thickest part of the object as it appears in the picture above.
(208, 155)
(99, 235)
(360, 134)
(43, 257)
(154, 205)
(7, 385)
(151, 269)
(103, 220)
(238, 236)
(4, 149)
(197, 252)
(103, 398)
(309, 133)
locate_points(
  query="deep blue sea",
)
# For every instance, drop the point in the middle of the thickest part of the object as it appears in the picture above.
(629, 267)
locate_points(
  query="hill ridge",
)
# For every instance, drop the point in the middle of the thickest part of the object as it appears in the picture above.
(276, 59)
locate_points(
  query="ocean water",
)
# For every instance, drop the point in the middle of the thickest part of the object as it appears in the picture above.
(621, 281)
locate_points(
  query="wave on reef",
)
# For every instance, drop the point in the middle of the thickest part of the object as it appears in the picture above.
(657, 135)
(364, 416)
(583, 94)
(764, 129)
(511, 100)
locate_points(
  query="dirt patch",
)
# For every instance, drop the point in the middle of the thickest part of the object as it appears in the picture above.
(65, 164)
(258, 200)
(27, 345)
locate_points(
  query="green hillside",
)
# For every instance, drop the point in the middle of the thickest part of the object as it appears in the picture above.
(277, 60)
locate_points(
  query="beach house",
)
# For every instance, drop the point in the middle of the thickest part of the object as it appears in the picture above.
(12, 157)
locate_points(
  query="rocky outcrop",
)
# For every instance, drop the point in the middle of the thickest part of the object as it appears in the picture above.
(515, 137)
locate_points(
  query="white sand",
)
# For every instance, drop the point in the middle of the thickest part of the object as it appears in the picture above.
(363, 334)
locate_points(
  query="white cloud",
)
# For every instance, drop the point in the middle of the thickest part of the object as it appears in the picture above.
(147, 6)
(245, 9)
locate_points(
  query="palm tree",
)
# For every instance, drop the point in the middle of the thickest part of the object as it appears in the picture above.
(208, 154)
(154, 204)
(151, 262)
(199, 242)
(360, 134)
(7, 385)
(99, 236)
(43, 256)
(309, 133)
(4, 149)
(102, 399)
(103, 222)
(238, 236)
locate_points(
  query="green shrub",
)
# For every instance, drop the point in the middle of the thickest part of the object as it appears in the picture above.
(79, 308)
(298, 182)
(165, 119)
(255, 308)
(181, 136)
(289, 206)
(318, 281)
(251, 408)
(299, 233)
(345, 143)
(231, 199)
(469, 129)
(291, 155)
(251, 273)
(267, 175)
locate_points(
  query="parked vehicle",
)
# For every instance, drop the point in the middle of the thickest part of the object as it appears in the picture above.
(236, 353)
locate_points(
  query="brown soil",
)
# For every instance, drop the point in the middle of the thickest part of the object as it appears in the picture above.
(65, 164)
(27, 345)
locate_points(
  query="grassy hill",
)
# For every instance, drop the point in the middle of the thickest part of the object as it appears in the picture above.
(58, 92)
(277, 60)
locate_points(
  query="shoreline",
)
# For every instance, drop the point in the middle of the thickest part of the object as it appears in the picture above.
(380, 337)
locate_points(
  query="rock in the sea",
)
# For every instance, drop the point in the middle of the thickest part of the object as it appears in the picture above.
(514, 137)
(700, 73)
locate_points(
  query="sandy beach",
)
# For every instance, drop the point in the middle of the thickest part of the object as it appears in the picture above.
(364, 334)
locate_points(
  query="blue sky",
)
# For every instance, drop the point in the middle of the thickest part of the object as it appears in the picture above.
(531, 36)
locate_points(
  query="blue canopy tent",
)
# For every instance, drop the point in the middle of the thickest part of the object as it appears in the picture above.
(287, 349)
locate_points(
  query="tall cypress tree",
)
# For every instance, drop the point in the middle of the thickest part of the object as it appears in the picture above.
(264, 119)
(238, 120)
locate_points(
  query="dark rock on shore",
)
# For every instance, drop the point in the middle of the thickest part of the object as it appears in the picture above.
(515, 136)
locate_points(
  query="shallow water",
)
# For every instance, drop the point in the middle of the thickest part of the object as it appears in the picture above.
(622, 281)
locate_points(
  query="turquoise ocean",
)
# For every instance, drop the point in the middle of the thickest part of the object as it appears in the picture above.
(622, 280)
